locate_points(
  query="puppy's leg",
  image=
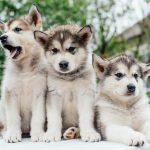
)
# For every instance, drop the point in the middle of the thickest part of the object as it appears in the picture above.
(54, 127)
(146, 130)
(71, 133)
(86, 117)
(125, 135)
(2, 118)
(13, 120)
(38, 119)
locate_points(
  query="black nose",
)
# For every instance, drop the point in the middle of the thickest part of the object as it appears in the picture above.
(131, 88)
(3, 38)
(63, 64)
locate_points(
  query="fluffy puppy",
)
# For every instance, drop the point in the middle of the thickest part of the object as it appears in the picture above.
(71, 81)
(123, 112)
(24, 81)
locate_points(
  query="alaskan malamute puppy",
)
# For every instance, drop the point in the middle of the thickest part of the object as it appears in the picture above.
(71, 81)
(122, 104)
(24, 81)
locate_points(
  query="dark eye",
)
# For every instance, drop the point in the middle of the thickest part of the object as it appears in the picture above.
(119, 75)
(17, 29)
(135, 75)
(71, 50)
(55, 50)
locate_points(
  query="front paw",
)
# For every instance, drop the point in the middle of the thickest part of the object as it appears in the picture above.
(37, 136)
(71, 133)
(52, 136)
(90, 136)
(135, 139)
(12, 137)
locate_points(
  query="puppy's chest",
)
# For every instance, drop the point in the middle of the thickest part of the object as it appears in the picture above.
(25, 88)
(68, 93)
(69, 100)
(28, 86)
(131, 118)
(121, 116)
(137, 120)
(69, 109)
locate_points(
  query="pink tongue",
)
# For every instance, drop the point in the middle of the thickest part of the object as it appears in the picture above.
(13, 53)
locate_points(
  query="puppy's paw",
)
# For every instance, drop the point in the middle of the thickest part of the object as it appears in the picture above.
(90, 136)
(71, 133)
(52, 136)
(12, 137)
(135, 139)
(37, 136)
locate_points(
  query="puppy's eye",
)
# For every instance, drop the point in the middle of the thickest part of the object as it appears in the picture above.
(135, 75)
(17, 29)
(119, 75)
(55, 50)
(71, 50)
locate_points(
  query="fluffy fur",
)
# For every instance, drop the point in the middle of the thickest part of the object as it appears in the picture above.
(71, 86)
(24, 81)
(123, 112)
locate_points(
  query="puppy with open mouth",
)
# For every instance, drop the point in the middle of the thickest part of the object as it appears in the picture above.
(71, 82)
(24, 81)
(122, 109)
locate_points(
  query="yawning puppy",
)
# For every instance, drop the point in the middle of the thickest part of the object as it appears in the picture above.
(123, 112)
(24, 81)
(71, 81)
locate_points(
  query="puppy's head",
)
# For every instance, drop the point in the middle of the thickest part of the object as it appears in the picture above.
(66, 47)
(18, 34)
(122, 77)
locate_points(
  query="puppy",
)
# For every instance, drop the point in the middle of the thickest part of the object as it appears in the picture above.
(71, 81)
(24, 81)
(123, 112)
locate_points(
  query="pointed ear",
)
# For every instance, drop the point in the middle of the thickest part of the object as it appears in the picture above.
(2, 26)
(34, 17)
(99, 65)
(85, 33)
(146, 70)
(41, 37)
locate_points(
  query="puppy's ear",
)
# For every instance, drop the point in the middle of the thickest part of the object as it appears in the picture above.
(99, 65)
(34, 17)
(41, 37)
(146, 70)
(85, 33)
(2, 26)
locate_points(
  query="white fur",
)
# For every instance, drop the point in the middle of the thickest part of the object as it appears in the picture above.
(23, 88)
(75, 100)
(71, 91)
(123, 118)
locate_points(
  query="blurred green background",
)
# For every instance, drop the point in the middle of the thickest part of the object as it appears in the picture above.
(118, 26)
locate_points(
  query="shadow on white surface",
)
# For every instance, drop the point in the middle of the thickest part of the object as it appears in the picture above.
(26, 144)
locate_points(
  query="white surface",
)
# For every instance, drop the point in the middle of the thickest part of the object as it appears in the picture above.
(26, 144)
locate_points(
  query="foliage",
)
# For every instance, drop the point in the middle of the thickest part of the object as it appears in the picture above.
(105, 15)
(53, 11)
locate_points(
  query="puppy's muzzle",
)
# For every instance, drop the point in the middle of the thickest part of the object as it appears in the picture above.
(3, 39)
(15, 51)
(131, 89)
(63, 65)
